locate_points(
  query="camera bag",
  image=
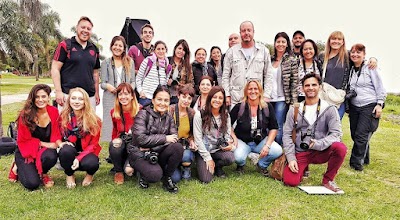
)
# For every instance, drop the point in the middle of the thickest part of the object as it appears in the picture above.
(276, 171)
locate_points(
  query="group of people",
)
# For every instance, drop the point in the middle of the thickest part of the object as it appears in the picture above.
(167, 115)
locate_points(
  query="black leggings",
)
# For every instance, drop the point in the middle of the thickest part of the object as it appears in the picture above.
(168, 161)
(27, 172)
(118, 156)
(89, 163)
(221, 158)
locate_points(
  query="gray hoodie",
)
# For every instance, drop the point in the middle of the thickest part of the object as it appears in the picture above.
(327, 131)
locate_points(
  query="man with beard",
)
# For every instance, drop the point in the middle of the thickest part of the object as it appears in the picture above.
(76, 64)
(143, 49)
(245, 61)
(318, 135)
(297, 40)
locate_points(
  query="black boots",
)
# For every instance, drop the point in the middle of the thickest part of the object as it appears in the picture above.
(142, 183)
(169, 185)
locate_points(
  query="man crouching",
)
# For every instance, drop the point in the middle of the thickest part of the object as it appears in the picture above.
(318, 135)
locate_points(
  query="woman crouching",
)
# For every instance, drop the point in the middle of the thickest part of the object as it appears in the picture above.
(80, 128)
(155, 152)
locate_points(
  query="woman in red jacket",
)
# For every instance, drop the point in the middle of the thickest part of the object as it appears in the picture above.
(38, 139)
(80, 127)
(125, 109)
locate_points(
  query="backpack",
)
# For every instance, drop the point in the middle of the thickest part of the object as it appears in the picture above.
(8, 145)
(69, 46)
(150, 65)
(12, 130)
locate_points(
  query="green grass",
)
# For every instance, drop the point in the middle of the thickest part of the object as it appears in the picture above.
(371, 194)
(12, 84)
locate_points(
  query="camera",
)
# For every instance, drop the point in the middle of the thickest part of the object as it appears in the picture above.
(304, 146)
(351, 94)
(151, 156)
(222, 143)
(184, 142)
(257, 136)
(126, 137)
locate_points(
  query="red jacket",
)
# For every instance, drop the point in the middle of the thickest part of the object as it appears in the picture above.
(90, 144)
(118, 126)
(29, 146)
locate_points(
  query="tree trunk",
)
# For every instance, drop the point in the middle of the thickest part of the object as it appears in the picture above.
(1, 114)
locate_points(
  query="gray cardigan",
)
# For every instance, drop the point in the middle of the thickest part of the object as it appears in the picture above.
(368, 86)
(327, 131)
(206, 140)
(107, 77)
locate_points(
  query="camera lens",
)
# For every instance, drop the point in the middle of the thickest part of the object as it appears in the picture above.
(304, 146)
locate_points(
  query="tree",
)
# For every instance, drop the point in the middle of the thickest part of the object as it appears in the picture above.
(43, 25)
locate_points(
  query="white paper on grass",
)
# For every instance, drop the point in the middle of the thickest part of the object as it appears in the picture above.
(316, 190)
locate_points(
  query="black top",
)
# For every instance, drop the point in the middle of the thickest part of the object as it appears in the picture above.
(42, 133)
(77, 69)
(243, 127)
(198, 73)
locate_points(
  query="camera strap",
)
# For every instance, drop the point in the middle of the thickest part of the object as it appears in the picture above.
(315, 123)
(114, 74)
(215, 125)
(122, 117)
(177, 116)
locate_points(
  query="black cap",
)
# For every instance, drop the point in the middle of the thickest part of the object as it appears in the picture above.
(298, 32)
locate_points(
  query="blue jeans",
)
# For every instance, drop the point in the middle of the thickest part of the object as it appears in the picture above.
(342, 110)
(244, 149)
(280, 114)
(188, 156)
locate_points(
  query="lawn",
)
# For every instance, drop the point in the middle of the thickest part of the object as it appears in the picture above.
(12, 84)
(371, 194)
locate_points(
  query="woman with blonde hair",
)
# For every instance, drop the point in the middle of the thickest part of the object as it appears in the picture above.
(80, 128)
(256, 128)
(123, 115)
(336, 64)
(117, 69)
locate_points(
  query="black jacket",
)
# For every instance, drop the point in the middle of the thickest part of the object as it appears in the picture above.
(243, 126)
(198, 73)
(150, 129)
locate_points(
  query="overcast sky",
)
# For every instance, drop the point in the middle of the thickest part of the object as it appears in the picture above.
(207, 23)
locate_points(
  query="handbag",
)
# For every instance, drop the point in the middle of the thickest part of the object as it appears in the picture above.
(279, 164)
(330, 94)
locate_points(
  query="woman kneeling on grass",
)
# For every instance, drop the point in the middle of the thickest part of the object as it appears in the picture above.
(80, 127)
(155, 152)
(211, 130)
(38, 138)
(256, 128)
(183, 116)
(123, 115)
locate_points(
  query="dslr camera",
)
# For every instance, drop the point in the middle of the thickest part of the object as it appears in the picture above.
(126, 137)
(184, 142)
(351, 94)
(151, 156)
(222, 143)
(257, 136)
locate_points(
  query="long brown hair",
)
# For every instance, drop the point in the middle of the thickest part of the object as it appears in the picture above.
(126, 60)
(186, 57)
(134, 103)
(207, 113)
(28, 113)
(87, 120)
